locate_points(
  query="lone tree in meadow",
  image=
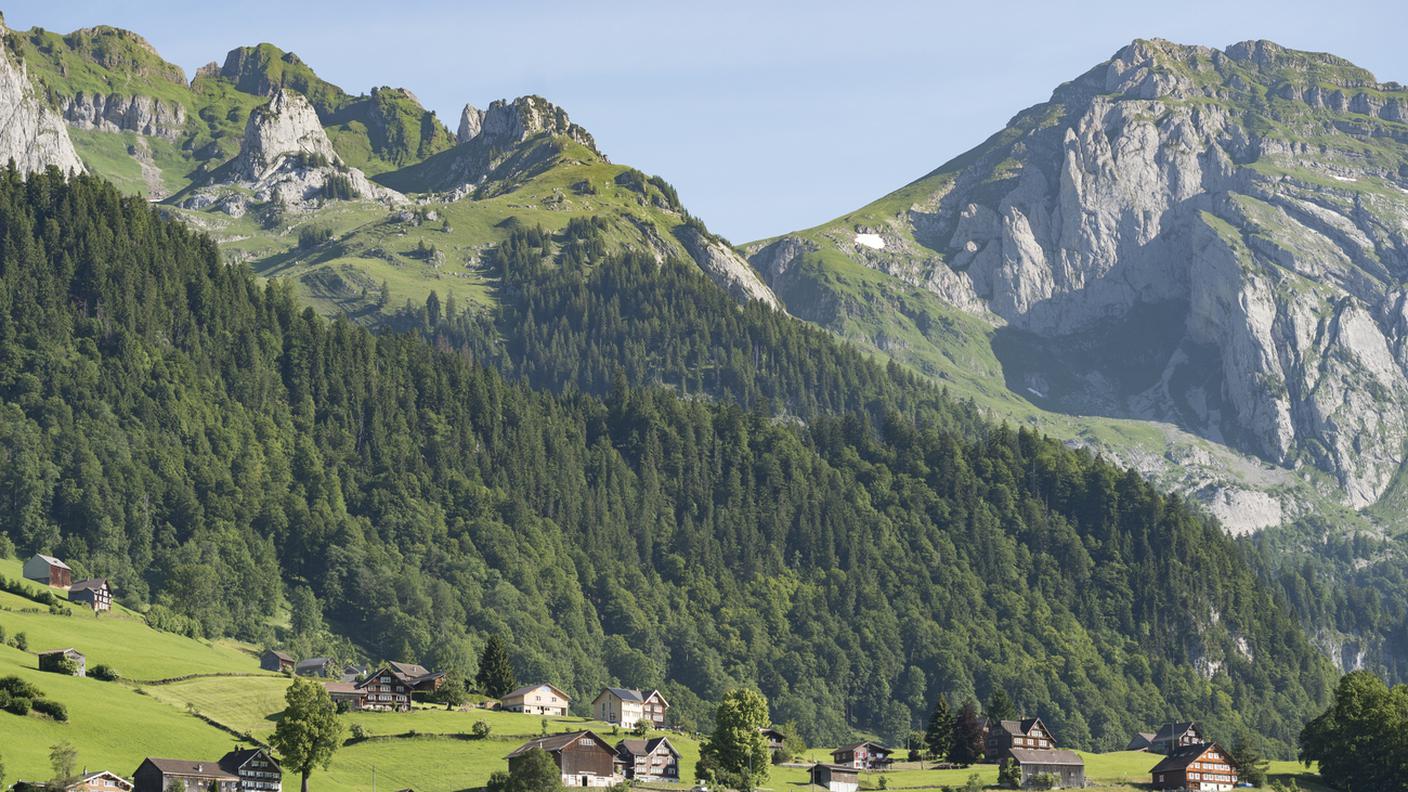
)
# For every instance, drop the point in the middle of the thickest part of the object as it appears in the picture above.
(63, 757)
(495, 677)
(736, 754)
(309, 731)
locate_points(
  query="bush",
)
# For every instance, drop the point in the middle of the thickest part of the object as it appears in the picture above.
(359, 732)
(1042, 781)
(63, 666)
(53, 709)
(21, 642)
(104, 673)
(480, 730)
(17, 705)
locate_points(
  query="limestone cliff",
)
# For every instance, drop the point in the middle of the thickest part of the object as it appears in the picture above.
(31, 134)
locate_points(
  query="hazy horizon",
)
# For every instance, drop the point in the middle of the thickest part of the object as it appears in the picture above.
(767, 119)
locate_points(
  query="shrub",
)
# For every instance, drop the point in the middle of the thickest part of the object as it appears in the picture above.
(53, 709)
(311, 237)
(63, 666)
(480, 730)
(21, 642)
(1042, 781)
(104, 673)
(359, 732)
(17, 705)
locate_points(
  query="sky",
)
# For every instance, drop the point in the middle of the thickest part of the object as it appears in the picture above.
(767, 117)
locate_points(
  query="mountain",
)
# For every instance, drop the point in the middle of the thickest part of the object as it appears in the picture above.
(31, 134)
(1206, 243)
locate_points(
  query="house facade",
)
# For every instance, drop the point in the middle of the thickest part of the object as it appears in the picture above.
(53, 661)
(774, 738)
(182, 775)
(256, 769)
(316, 667)
(346, 694)
(627, 706)
(866, 755)
(48, 570)
(1003, 736)
(94, 592)
(391, 687)
(1172, 736)
(1066, 767)
(274, 660)
(540, 699)
(649, 760)
(835, 778)
(1197, 768)
(583, 758)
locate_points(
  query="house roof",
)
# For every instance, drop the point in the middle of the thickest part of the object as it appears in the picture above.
(526, 689)
(48, 652)
(638, 746)
(771, 730)
(411, 673)
(86, 777)
(556, 742)
(1169, 731)
(281, 655)
(234, 760)
(314, 662)
(871, 743)
(1182, 757)
(1019, 728)
(194, 769)
(625, 694)
(340, 688)
(1047, 756)
(836, 769)
(91, 584)
(52, 561)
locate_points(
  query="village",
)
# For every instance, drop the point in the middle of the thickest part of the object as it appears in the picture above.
(626, 736)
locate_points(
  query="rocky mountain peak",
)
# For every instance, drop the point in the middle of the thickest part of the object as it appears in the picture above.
(471, 123)
(287, 125)
(31, 134)
(507, 123)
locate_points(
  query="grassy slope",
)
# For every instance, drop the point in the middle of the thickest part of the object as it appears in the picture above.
(115, 724)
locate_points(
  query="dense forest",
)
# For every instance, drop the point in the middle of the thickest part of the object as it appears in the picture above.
(224, 454)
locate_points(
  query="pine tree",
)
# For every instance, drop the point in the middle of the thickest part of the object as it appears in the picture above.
(495, 677)
(966, 746)
(939, 736)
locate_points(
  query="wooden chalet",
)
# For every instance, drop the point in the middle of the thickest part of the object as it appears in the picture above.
(256, 769)
(48, 570)
(316, 667)
(865, 755)
(627, 706)
(774, 737)
(274, 660)
(1141, 741)
(53, 660)
(1065, 766)
(183, 775)
(649, 760)
(1003, 736)
(100, 781)
(835, 778)
(1197, 768)
(1172, 736)
(93, 592)
(540, 699)
(391, 687)
(583, 757)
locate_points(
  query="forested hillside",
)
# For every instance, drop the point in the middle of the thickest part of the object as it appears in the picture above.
(169, 422)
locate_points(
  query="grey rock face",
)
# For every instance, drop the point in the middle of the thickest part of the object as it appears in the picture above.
(30, 133)
(116, 113)
(471, 122)
(506, 123)
(1263, 189)
(725, 266)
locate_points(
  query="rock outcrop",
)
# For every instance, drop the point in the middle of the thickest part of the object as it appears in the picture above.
(725, 266)
(31, 134)
(471, 122)
(1262, 190)
(117, 113)
(286, 157)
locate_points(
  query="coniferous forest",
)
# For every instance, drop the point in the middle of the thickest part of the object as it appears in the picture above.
(626, 474)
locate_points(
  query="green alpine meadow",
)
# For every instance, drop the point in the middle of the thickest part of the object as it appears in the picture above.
(346, 446)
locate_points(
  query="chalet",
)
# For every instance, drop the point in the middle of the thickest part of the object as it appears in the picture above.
(1003, 736)
(540, 699)
(627, 706)
(774, 737)
(1141, 741)
(255, 768)
(1066, 767)
(1172, 736)
(53, 660)
(316, 667)
(862, 756)
(48, 570)
(346, 694)
(583, 757)
(274, 660)
(1196, 768)
(101, 781)
(649, 760)
(93, 592)
(835, 778)
(390, 688)
(182, 775)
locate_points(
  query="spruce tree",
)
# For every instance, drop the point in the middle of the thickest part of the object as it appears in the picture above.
(939, 735)
(495, 676)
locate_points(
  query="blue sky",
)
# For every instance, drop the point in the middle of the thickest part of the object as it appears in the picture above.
(768, 117)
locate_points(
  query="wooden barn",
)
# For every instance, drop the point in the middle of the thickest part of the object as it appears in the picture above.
(48, 570)
(583, 757)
